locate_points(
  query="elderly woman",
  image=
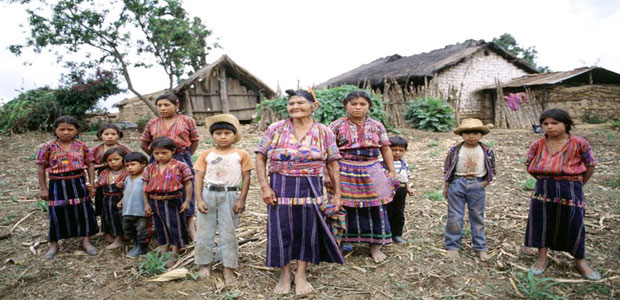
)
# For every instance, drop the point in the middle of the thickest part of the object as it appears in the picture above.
(183, 131)
(298, 148)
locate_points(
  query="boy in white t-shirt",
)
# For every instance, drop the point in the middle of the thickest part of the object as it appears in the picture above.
(220, 171)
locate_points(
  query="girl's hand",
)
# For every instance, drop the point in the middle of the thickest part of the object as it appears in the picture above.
(119, 205)
(327, 183)
(120, 185)
(147, 210)
(269, 197)
(392, 175)
(184, 206)
(200, 204)
(336, 201)
(239, 206)
(410, 191)
(484, 184)
(44, 194)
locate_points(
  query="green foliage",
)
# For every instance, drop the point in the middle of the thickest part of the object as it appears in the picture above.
(154, 263)
(330, 108)
(613, 181)
(433, 144)
(37, 109)
(593, 118)
(536, 288)
(529, 54)
(616, 124)
(8, 218)
(141, 123)
(436, 196)
(430, 114)
(529, 184)
(42, 205)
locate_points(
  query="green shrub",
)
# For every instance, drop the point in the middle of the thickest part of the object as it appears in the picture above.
(141, 123)
(154, 263)
(616, 124)
(434, 195)
(330, 105)
(529, 184)
(430, 114)
(592, 118)
(536, 288)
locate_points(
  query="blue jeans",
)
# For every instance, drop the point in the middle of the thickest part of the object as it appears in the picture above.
(460, 192)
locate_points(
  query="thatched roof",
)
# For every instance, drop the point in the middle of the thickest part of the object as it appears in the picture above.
(232, 70)
(420, 65)
(584, 75)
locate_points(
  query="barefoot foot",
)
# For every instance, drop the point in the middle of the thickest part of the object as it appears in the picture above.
(229, 277)
(204, 271)
(108, 238)
(118, 242)
(52, 252)
(89, 247)
(452, 253)
(302, 286)
(376, 254)
(284, 285)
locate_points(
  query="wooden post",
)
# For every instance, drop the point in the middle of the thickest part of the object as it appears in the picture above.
(223, 91)
(188, 103)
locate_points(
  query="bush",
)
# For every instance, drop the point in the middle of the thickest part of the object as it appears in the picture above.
(37, 109)
(430, 114)
(330, 107)
(154, 263)
(592, 118)
(616, 124)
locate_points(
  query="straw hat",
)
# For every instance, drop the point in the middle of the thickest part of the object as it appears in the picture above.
(471, 124)
(226, 118)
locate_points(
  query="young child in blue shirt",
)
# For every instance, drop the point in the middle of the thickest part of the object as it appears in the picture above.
(396, 208)
(135, 223)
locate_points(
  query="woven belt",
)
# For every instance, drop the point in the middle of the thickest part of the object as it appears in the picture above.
(112, 194)
(54, 177)
(219, 188)
(166, 196)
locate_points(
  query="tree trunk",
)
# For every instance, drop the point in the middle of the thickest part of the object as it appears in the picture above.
(130, 87)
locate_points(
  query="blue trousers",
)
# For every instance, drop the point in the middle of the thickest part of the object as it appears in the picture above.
(463, 191)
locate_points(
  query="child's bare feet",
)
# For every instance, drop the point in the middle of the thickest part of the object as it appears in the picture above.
(376, 254)
(89, 247)
(52, 252)
(118, 242)
(204, 271)
(452, 253)
(483, 255)
(108, 238)
(302, 286)
(229, 277)
(284, 285)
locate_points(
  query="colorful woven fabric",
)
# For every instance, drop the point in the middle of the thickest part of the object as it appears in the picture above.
(364, 184)
(169, 223)
(98, 152)
(57, 160)
(336, 220)
(367, 225)
(111, 216)
(556, 218)
(573, 159)
(183, 131)
(291, 157)
(169, 180)
(368, 135)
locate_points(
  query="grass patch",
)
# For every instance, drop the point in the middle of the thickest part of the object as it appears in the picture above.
(433, 144)
(529, 184)
(491, 143)
(434, 195)
(536, 288)
(613, 181)
(434, 153)
(41, 205)
(154, 263)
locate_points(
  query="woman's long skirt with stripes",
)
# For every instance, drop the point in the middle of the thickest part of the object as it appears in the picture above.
(367, 225)
(71, 211)
(556, 217)
(296, 228)
(111, 216)
(186, 157)
(169, 222)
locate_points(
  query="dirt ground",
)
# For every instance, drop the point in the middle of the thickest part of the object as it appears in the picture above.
(416, 270)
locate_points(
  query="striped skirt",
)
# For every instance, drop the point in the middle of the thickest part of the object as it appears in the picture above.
(364, 183)
(70, 209)
(169, 223)
(111, 216)
(367, 225)
(186, 157)
(556, 217)
(298, 231)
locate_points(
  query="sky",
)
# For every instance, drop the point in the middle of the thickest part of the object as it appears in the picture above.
(286, 43)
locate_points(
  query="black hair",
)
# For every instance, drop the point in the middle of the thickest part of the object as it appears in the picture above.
(137, 157)
(222, 125)
(163, 142)
(66, 120)
(300, 93)
(117, 150)
(170, 97)
(109, 126)
(560, 115)
(398, 141)
(355, 95)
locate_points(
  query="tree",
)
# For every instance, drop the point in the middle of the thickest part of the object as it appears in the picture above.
(106, 34)
(529, 54)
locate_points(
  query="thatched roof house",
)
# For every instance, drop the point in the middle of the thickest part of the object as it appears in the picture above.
(455, 73)
(588, 92)
(220, 87)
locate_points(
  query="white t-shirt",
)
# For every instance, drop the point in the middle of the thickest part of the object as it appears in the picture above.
(471, 162)
(223, 168)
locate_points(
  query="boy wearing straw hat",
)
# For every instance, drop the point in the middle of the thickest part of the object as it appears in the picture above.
(222, 184)
(468, 169)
